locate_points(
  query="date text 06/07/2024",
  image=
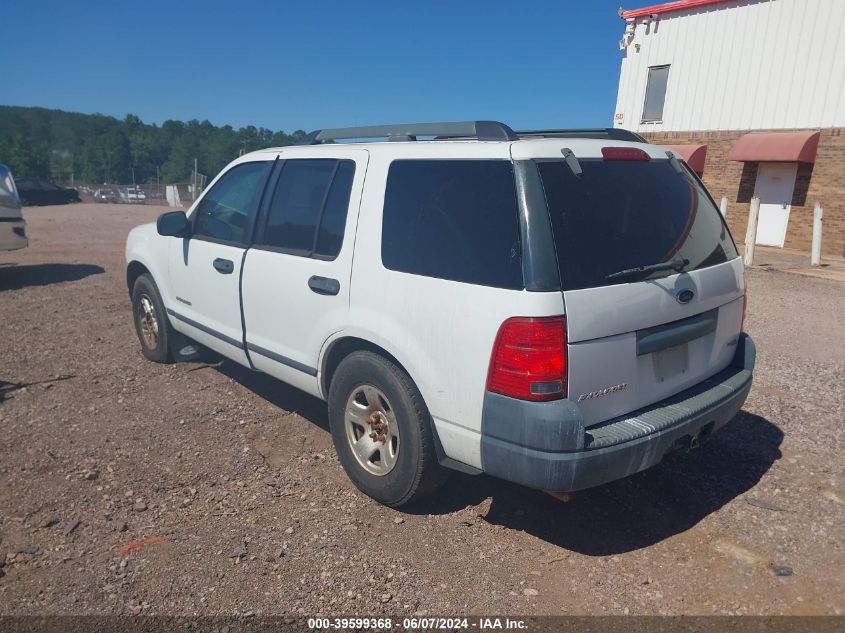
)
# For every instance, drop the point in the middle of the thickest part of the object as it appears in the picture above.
(417, 623)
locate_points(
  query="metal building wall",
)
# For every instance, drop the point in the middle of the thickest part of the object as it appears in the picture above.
(739, 65)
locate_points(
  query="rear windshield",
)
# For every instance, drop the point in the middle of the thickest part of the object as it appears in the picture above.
(619, 215)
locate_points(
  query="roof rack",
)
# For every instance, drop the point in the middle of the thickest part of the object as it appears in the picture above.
(481, 130)
(612, 133)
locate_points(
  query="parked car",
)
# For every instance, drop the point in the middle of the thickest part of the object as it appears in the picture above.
(12, 224)
(132, 195)
(558, 308)
(37, 191)
(106, 194)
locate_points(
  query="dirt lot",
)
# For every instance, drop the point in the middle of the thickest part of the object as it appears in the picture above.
(129, 487)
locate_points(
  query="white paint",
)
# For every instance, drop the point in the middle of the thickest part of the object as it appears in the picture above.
(774, 187)
(723, 207)
(204, 295)
(816, 251)
(740, 65)
(751, 232)
(603, 351)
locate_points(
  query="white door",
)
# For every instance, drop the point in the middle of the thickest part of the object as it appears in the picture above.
(296, 276)
(775, 183)
(205, 268)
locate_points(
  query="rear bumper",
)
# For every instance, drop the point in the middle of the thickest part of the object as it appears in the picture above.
(13, 235)
(545, 445)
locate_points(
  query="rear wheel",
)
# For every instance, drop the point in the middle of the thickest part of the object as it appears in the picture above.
(382, 431)
(151, 323)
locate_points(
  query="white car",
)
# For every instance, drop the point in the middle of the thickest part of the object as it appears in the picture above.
(555, 308)
(12, 224)
(132, 195)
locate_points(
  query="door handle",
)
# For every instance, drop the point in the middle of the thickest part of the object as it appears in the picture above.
(324, 285)
(224, 266)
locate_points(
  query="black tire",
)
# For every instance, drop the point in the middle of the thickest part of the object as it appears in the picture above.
(145, 288)
(416, 473)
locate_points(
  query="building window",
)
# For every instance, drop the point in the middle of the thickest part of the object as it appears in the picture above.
(655, 93)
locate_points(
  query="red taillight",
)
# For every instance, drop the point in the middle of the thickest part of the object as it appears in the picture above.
(624, 153)
(529, 359)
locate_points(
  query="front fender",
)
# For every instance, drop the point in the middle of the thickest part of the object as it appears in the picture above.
(149, 249)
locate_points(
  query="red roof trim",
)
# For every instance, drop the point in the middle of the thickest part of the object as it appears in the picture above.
(668, 7)
(788, 147)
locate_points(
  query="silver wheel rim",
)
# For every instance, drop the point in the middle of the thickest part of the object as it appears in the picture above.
(148, 321)
(371, 430)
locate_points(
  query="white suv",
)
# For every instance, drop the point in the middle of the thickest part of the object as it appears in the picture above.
(557, 308)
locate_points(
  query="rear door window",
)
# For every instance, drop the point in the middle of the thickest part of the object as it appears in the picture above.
(620, 214)
(453, 219)
(309, 207)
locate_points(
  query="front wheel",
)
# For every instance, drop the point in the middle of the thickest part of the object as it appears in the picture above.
(382, 431)
(151, 323)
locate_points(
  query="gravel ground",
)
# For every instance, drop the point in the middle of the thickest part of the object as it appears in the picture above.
(129, 487)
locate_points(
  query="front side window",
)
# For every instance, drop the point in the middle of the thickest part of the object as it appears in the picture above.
(226, 211)
(655, 93)
(453, 219)
(308, 211)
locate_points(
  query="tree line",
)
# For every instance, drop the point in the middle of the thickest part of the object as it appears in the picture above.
(94, 148)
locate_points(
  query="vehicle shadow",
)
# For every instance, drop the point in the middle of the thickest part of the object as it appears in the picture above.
(619, 517)
(23, 276)
(277, 393)
(635, 512)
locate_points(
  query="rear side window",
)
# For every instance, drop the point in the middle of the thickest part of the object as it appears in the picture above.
(622, 214)
(309, 207)
(453, 219)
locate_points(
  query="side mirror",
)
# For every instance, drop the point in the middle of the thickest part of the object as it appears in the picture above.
(173, 224)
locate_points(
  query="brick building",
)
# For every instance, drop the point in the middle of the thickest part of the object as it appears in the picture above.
(752, 94)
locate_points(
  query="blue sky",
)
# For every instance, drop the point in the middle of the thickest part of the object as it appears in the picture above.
(296, 64)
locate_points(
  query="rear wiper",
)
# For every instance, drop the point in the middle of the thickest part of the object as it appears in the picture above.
(677, 265)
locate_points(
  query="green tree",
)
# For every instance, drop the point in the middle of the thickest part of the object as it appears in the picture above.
(99, 148)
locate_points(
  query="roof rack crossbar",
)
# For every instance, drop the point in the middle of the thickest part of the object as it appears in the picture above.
(481, 130)
(612, 133)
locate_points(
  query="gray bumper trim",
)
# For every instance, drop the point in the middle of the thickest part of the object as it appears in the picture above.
(528, 443)
(704, 396)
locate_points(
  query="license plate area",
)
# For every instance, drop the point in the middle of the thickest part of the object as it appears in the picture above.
(670, 362)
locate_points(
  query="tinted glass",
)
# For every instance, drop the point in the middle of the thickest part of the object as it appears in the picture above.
(454, 220)
(226, 211)
(623, 214)
(655, 93)
(333, 223)
(302, 194)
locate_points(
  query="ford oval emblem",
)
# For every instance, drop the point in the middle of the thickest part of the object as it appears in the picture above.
(684, 296)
